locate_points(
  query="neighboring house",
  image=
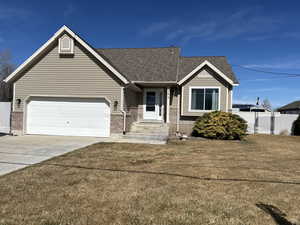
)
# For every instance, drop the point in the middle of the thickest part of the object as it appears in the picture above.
(249, 108)
(68, 87)
(291, 108)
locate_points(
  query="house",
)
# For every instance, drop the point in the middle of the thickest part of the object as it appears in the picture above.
(291, 108)
(249, 108)
(68, 87)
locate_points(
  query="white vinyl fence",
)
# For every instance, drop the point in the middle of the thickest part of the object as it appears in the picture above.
(5, 117)
(268, 123)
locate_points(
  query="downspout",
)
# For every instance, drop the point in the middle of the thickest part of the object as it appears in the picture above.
(178, 110)
(12, 106)
(123, 111)
(178, 96)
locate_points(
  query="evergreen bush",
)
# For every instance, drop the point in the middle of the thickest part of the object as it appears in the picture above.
(296, 127)
(220, 125)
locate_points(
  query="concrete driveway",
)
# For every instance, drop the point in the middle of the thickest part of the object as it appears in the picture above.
(17, 152)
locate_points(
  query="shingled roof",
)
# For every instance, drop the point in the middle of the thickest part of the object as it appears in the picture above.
(144, 64)
(188, 64)
(159, 64)
(292, 106)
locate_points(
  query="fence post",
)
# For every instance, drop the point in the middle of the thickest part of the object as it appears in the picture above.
(272, 122)
(256, 122)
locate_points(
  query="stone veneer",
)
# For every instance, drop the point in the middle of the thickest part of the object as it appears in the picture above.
(17, 122)
(132, 116)
(186, 124)
(116, 123)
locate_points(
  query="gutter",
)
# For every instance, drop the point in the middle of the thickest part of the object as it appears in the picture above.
(123, 111)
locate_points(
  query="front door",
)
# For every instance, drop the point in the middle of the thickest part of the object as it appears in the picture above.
(153, 104)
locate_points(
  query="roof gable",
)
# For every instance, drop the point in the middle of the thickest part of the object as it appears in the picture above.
(190, 65)
(44, 47)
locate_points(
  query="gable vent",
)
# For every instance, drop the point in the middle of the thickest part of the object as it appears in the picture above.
(66, 45)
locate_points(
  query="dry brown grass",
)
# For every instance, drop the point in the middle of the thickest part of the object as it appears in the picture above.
(192, 182)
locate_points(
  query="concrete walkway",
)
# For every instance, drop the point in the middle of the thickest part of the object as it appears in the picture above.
(17, 152)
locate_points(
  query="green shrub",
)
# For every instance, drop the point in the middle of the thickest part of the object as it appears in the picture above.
(220, 125)
(296, 127)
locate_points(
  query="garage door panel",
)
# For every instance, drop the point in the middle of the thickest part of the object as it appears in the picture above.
(68, 117)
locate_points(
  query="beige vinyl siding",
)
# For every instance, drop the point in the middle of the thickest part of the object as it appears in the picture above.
(204, 78)
(80, 75)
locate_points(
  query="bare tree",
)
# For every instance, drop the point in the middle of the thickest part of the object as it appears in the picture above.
(266, 104)
(6, 68)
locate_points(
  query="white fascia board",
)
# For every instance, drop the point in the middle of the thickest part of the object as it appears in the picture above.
(207, 63)
(83, 43)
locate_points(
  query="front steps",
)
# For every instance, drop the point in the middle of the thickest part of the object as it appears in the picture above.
(149, 127)
(149, 131)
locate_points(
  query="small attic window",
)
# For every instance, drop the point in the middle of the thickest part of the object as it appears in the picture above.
(66, 45)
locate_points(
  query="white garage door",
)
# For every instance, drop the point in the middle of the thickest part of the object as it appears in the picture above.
(68, 116)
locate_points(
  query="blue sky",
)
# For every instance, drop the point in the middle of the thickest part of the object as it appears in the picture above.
(262, 35)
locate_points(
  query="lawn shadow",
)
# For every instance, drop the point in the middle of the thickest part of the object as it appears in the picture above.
(157, 173)
(278, 216)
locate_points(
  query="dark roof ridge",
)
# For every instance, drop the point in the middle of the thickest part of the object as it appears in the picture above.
(142, 48)
(203, 56)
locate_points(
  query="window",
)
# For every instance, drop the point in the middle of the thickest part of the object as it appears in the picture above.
(204, 98)
(66, 45)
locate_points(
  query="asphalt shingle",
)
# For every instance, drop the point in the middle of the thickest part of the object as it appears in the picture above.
(292, 106)
(159, 64)
(144, 64)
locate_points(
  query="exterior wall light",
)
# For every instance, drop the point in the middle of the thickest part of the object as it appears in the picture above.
(18, 101)
(115, 105)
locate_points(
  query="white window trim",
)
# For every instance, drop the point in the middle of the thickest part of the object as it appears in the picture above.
(227, 93)
(203, 87)
(231, 96)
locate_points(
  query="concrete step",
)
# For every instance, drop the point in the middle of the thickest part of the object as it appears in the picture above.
(150, 128)
(149, 124)
(146, 136)
(151, 121)
(137, 139)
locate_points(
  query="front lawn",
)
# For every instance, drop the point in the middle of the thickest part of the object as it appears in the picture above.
(191, 182)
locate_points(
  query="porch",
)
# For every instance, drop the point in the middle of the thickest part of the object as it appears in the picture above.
(150, 112)
(152, 104)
